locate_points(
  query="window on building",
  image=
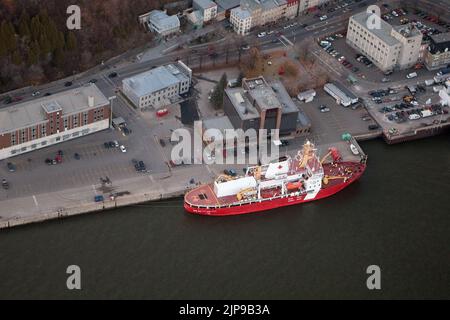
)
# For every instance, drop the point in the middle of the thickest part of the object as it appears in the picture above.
(85, 118)
(13, 139)
(23, 135)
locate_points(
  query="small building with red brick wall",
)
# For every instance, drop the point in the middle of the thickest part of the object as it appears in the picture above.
(67, 115)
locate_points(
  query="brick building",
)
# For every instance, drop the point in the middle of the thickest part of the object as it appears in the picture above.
(36, 124)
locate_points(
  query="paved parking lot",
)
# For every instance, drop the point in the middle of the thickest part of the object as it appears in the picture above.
(329, 126)
(387, 114)
(373, 73)
(34, 176)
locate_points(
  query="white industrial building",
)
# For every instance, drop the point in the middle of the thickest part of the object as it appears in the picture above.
(341, 94)
(388, 47)
(158, 87)
(161, 23)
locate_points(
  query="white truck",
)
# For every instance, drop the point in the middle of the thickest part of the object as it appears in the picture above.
(426, 113)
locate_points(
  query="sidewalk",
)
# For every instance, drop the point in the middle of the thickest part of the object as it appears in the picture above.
(70, 202)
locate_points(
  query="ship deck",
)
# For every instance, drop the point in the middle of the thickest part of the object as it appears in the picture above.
(205, 196)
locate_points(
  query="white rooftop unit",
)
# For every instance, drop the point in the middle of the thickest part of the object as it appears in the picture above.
(233, 187)
(342, 97)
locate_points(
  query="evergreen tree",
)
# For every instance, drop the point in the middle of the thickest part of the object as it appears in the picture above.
(24, 28)
(71, 41)
(36, 28)
(58, 58)
(8, 36)
(16, 58)
(33, 54)
(217, 95)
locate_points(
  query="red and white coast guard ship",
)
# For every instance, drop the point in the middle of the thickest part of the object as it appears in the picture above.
(286, 182)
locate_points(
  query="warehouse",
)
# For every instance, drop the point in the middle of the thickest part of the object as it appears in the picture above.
(262, 105)
(158, 87)
(49, 120)
(341, 94)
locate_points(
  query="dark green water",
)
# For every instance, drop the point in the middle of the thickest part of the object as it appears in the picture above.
(397, 217)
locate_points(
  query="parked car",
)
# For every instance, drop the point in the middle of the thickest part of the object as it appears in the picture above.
(68, 84)
(230, 172)
(11, 167)
(324, 108)
(122, 148)
(77, 156)
(36, 93)
(112, 75)
(5, 184)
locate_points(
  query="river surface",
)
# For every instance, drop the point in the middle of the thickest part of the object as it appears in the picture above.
(397, 217)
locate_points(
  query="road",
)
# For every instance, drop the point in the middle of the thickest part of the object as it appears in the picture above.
(33, 177)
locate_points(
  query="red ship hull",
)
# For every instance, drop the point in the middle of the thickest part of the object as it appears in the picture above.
(268, 204)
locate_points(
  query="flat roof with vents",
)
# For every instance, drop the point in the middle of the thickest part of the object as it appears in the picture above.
(156, 79)
(33, 112)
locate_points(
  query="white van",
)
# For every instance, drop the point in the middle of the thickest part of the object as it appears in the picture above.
(429, 82)
(411, 75)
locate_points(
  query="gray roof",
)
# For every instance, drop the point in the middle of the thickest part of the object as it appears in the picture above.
(30, 113)
(242, 13)
(241, 103)
(163, 21)
(283, 96)
(156, 79)
(221, 123)
(205, 4)
(383, 33)
(408, 30)
(441, 38)
(264, 5)
(224, 5)
(267, 96)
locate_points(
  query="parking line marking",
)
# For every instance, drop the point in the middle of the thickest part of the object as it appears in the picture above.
(35, 201)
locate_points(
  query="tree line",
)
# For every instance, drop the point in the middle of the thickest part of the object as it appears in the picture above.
(36, 46)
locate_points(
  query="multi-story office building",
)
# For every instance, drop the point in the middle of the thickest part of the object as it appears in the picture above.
(262, 105)
(253, 13)
(158, 87)
(207, 8)
(241, 20)
(67, 115)
(386, 46)
(438, 54)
